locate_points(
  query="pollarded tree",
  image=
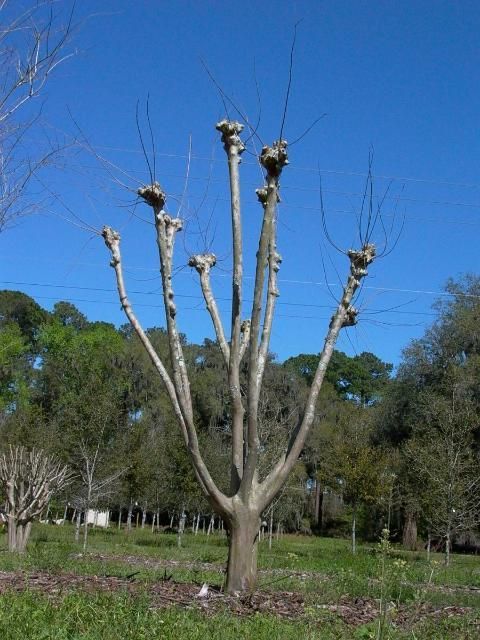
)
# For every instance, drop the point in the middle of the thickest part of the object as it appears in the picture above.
(29, 479)
(250, 491)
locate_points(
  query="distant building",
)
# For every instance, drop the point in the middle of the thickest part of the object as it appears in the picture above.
(98, 518)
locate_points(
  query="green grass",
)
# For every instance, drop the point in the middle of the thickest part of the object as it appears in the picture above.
(322, 569)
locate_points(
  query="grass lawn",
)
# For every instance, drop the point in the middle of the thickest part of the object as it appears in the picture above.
(141, 585)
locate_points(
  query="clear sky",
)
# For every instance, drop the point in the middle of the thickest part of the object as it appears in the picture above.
(398, 77)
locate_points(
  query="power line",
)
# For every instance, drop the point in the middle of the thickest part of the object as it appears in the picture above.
(200, 298)
(316, 170)
(201, 309)
(317, 283)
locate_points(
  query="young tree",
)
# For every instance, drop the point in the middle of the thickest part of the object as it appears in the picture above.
(353, 467)
(249, 494)
(442, 454)
(95, 485)
(29, 479)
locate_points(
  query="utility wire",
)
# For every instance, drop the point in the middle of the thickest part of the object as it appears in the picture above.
(219, 298)
(343, 172)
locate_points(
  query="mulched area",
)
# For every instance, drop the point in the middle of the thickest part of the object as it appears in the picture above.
(358, 611)
(287, 605)
(164, 563)
(164, 593)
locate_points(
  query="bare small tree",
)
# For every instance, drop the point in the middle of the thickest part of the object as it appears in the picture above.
(94, 487)
(249, 494)
(29, 479)
(444, 458)
(32, 45)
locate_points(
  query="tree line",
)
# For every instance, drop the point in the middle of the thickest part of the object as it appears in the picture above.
(386, 451)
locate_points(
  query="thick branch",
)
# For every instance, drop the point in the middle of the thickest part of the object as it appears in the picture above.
(273, 159)
(203, 264)
(112, 240)
(345, 316)
(234, 147)
(245, 340)
(274, 260)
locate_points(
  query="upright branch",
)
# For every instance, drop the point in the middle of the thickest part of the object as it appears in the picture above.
(203, 264)
(234, 147)
(167, 227)
(273, 159)
(344, 316)
(178, 389)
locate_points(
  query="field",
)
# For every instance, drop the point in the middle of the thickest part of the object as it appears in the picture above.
(141, 585)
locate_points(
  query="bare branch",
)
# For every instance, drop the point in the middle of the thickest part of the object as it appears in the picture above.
(203, 264)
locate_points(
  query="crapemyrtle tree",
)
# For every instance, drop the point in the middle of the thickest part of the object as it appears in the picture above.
(29, 479)
(249, 492)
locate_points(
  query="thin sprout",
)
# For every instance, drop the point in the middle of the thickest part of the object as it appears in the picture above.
(145, 155)
(79, 221)
(187, 175)
(152, 137)
(307, 130)
(364, 198)
(226, 97)
(324, 218)
(259, 103)
(290, 76)
(217, 86)
(332, 295)
(106, 163)
(398, 306)
(387, 253)
(347, 334)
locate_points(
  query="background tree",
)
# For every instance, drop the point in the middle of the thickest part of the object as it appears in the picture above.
(442, 454)
(354, 467)
(34, 41)
(29, 479)
(417, 417)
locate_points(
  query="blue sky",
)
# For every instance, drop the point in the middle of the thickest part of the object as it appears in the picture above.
(400, 78)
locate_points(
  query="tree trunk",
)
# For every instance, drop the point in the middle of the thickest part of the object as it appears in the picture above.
(77, 525)
(429, 546)
(85, 531)
(211, 524)
(318, 504)
(181, 527)
(409, 538)
(22, 534)
(242, 552)
(144, 516)
(448, 543)
(12, 533)
(270, 529)
(129, 517)
(354, 530)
